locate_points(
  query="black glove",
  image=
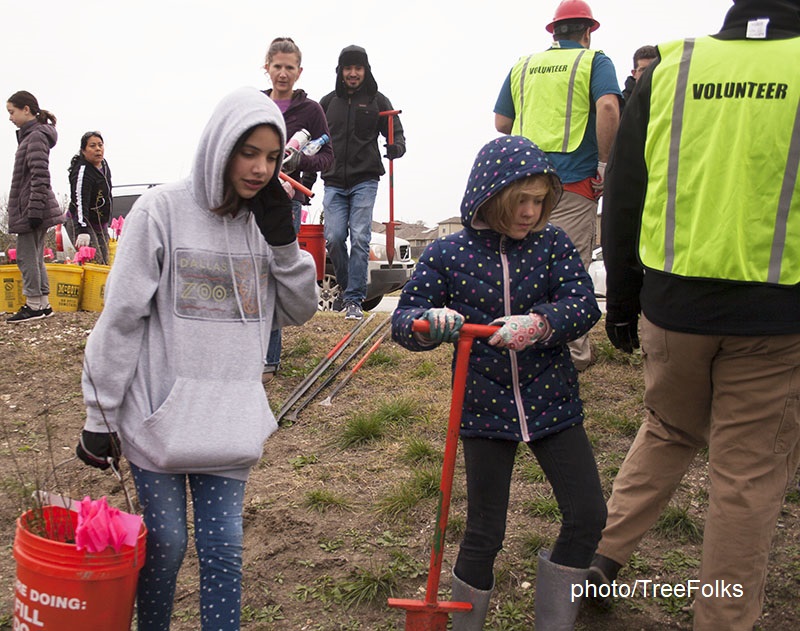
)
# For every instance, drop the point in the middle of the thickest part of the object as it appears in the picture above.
(392, 152)
(34, 222)
(272, 210)
(624, 335)
(94, 448)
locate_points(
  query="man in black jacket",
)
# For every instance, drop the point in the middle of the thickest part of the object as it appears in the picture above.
(642, 58)
(700, 235)
(351, 184)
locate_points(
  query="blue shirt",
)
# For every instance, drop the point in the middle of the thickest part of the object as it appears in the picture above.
(581, 163)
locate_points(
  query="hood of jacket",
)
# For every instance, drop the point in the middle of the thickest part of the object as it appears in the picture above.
(499, 163)
(237, 113)
(355, 56)
(47, 130)
(784, 18)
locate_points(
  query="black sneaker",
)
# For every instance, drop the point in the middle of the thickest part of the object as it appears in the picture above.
(602, 572)
(25, 314)
(47, 311)
(352, 311)
(338, 304)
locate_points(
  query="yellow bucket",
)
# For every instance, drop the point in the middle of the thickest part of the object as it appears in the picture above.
(94, 286)
(112, 250)
(65, 286)
(11, 279)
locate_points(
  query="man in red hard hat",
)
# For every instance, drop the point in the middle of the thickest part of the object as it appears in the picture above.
(567, 100)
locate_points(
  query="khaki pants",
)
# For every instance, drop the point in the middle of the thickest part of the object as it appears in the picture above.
(577, 216)
(741, 396)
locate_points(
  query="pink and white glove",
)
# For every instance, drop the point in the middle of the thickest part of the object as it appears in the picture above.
(287, 186)
(518, 332)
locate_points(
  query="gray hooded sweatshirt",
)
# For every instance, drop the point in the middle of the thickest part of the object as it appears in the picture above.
(174, 363)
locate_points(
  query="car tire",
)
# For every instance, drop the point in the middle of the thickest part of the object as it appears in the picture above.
(328, 292)
(369, 305)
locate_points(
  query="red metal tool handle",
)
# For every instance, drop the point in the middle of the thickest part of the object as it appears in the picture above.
(295, 184)
(466, 335)
(470, 330)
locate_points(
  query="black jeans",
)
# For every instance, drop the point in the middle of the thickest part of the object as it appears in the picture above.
(568, 462)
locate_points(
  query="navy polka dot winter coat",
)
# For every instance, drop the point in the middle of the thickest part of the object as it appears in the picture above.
(484, 275)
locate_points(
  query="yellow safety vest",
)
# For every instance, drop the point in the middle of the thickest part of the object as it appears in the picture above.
(552, 98)
(722, 154)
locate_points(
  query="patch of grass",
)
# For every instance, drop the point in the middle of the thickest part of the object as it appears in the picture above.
(424, 483)
(302, 461)
(418, 450)
(676, 560)
(676, 523)
(268, 613)
(426, 368)
(456, 524)
(367, 585)
(383, 359)
(620, 424)
(532, 542)
(530, 471)
(322, 500)
(399, 411)
(637, 564)
(362, 429)
(301, 347)
(675, 605)
(330, 545)
(510, 616)
(544, 506)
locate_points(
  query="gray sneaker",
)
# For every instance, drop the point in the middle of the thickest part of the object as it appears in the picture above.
(352, 311)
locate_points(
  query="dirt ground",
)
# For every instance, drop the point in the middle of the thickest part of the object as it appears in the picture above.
(328, 531)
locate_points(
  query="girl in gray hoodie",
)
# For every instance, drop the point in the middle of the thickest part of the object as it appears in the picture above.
(205, 269)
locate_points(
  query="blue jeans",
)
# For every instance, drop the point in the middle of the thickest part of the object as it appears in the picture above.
(567, 460)
(274, 348)
(217, 504)
(348, 211)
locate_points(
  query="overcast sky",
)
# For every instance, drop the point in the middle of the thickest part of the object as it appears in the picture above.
(148, 73)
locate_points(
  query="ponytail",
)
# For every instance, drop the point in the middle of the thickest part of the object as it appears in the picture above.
(46, 117)
(24, 98)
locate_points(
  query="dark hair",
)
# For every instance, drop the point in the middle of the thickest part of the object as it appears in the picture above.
(84, 142)
(644, 52)
(283, 45)
(231, 201)
(23, 98)
(572, 29)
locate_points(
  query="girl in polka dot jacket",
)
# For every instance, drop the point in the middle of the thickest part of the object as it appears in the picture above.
(511, 268)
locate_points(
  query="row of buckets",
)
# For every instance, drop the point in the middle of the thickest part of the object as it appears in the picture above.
(82, 287)
(72, 287)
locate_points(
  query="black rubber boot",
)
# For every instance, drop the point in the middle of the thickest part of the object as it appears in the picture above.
(602, 572)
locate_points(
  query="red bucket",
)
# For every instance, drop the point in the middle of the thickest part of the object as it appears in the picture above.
(59, 587)
(311, 238)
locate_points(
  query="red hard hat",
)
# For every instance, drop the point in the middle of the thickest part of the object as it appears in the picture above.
(573, 9)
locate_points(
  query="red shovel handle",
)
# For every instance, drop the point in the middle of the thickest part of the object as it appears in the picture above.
(469, 330)
(295, 184)
(466, 335)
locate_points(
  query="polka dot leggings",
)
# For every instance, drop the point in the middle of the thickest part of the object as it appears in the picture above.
(217, 504)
